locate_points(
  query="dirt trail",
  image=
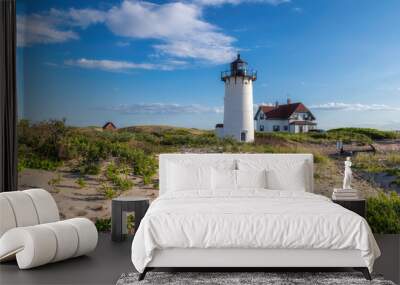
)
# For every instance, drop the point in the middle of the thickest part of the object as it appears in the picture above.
(72, 200)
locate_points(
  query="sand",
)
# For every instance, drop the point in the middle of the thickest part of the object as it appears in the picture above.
(72, 200)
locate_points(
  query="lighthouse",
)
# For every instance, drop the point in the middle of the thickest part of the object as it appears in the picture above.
(238, 102)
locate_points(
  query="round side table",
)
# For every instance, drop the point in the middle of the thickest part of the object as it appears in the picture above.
(119, 207)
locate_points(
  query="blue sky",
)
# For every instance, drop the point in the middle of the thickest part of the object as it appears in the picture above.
(159, 62)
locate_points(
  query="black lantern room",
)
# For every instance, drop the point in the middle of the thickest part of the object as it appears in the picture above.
(239, 68)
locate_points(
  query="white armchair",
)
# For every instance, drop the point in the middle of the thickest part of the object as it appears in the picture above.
(31, 232)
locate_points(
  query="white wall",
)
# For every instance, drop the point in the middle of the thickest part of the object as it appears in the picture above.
(296, 129)
(269, 124)
(238, 108)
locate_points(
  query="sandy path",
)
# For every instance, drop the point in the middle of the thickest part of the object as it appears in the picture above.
(74, 201)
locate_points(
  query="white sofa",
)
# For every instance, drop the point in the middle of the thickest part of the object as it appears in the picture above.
(31, 230)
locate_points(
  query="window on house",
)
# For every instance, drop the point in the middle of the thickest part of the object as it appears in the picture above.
(261, 128)
(285, 128)
(276, 128)
(262, 117)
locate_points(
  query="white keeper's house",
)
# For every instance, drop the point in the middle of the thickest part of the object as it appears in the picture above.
(290, 117)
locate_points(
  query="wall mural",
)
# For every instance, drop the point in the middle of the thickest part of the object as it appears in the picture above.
(106, 86)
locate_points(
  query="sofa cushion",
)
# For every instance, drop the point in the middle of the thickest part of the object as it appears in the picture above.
(41, 244)
(46, 207)
(23, 208)
(67, 240)
(26, 208)
(7, 220)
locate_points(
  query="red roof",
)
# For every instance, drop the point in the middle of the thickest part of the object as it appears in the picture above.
(111, 124)
(283, 111)
(266, 109)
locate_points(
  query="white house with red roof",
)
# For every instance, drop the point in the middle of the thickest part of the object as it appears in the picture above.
(290, 117)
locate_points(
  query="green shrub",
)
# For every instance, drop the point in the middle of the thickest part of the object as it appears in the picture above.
(108, 192)
(34, 162)
(143, 164)
(291, 137)
(103, 225)
(347, 135)
(368, 162)
(146, 166)
(393, 158)
(320, 158)
(122, 184)
(81, 182)
(383, 213)
(130, 223)
(397, 181)
(91, 168)
(55, 180)
(378, 163)
(393, 171)
(147, 138)
(363, 134)
(113, 174)
(111, 170)
(43, 138)
(21, 166)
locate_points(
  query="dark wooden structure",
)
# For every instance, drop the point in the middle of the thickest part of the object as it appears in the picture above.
(119, 207)
(357, 206)
(109, 126)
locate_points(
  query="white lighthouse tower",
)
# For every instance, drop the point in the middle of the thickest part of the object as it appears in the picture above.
(238, 102)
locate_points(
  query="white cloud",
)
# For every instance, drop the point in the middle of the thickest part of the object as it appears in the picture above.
(83, 17)
(338, 106)
(109, 65)
(178, 26)
(55, 26)
(35, 29)
(163, 108)
(121, 66)
(237, 2)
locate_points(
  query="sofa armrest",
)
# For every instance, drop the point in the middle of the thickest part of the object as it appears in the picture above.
(41, 244)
